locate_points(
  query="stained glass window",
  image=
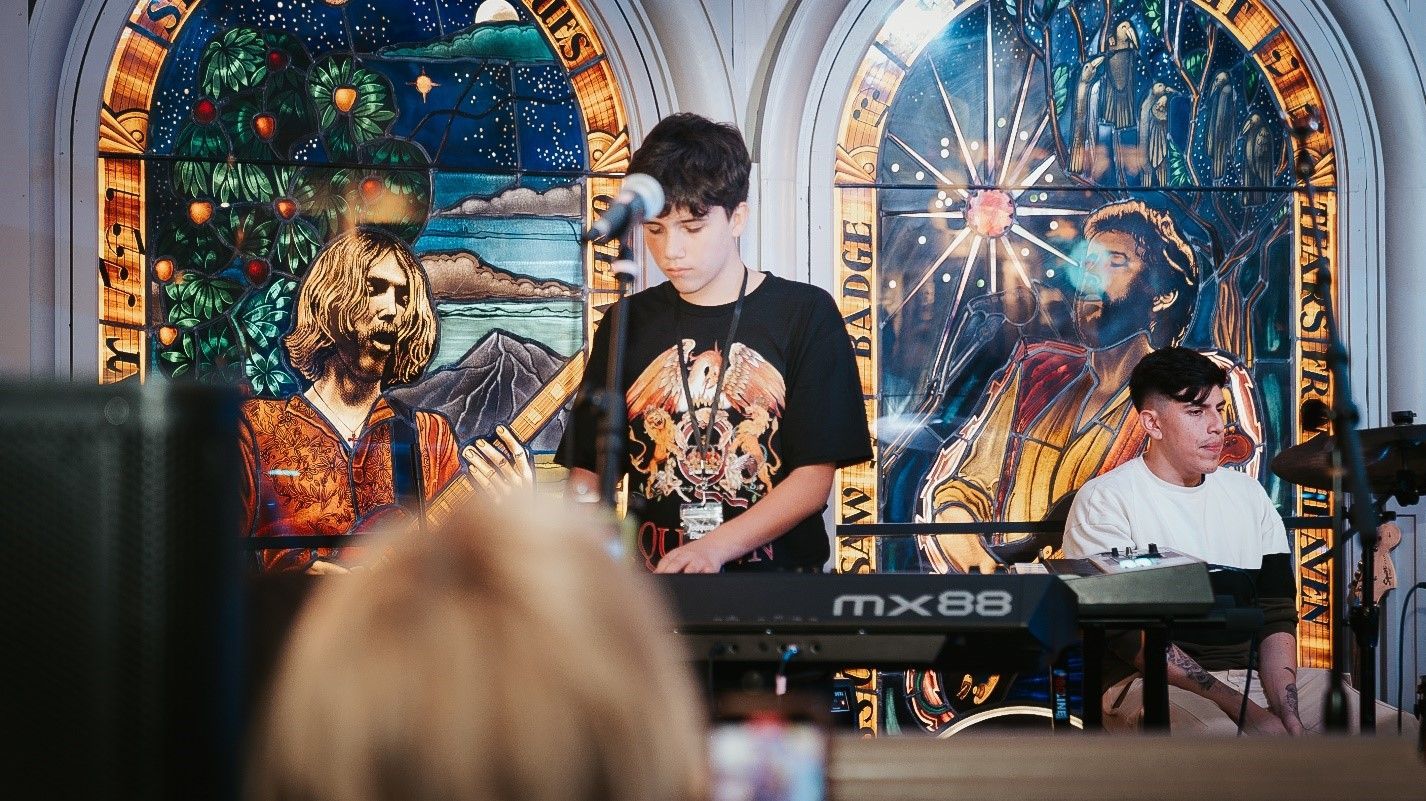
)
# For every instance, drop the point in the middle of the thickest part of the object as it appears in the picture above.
(1031, 194)
(238, 137)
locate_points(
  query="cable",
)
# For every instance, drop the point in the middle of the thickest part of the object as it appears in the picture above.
(1401, 650)
(1247, 683)
(1218, 576)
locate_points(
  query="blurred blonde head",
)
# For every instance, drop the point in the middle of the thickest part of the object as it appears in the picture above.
(504, 655)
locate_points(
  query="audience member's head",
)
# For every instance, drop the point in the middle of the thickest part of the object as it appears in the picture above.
(503, 655)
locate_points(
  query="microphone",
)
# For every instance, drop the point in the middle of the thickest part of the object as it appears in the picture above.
(639, 197)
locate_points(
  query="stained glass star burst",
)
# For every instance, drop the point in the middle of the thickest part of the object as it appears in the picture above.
(996, 142)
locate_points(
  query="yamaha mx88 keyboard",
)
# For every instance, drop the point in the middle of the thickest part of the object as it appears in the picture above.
(885, 620)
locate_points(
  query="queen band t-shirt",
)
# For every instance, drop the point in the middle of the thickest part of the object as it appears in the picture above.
(789, 397)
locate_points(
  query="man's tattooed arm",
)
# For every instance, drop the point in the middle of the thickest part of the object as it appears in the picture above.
(1191, 669)
(1279, 673)
(1289, 699)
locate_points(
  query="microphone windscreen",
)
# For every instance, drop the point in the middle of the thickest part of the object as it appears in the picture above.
(647, 191)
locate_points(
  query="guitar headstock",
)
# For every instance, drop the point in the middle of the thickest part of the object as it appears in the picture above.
(1388, 536)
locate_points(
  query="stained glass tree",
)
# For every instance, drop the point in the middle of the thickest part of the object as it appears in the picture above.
(279, 153)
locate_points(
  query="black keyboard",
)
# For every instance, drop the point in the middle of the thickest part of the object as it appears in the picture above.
(884, 620)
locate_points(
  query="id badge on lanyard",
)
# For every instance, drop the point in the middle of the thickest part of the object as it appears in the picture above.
(700, 518)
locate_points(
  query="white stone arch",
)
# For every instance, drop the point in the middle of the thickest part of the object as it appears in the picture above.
(72, 43)
(796, 110)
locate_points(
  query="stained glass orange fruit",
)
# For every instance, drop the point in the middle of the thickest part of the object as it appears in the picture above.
(344, 97)
(200, 211)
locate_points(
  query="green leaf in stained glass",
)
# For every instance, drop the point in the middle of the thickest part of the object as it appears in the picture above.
(328, 201)
(225, 185)
(250, 229)
(1062, 75)
(193, 178)
(295, 118)
(266, 316)
(296, 184)
(390, 150)
(237, 120)
(182, 357)
(1154, 13)
(371, 107)
(233, 62)
(192, 248)
(407, 183)
(255, 182)
(1178, 166)
(201, 298)
(297, 245)
(1193, 64)
(218, 359)
(340, 142)
(267, 375)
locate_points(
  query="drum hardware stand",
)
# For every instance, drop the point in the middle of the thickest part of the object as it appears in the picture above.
(1364, 612)
(1361, 515)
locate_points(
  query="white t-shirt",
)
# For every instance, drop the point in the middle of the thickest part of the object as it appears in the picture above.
(1227, 520)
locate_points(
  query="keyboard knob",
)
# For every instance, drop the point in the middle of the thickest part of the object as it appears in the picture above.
(1153, 549)
(1114, 552)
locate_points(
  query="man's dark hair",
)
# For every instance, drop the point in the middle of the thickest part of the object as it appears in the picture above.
(1179, 374)
(700, 163)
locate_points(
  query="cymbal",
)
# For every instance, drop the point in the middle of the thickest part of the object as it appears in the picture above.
(1392, 454)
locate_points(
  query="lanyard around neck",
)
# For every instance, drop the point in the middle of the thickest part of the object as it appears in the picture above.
(704, 436)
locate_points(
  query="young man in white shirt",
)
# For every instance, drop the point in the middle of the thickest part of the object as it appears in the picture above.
(1175, 496)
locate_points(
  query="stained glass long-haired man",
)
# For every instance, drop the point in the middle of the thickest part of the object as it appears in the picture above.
(321, 461)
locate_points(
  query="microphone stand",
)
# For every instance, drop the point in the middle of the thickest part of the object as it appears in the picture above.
(610, 401)
(1361, 515)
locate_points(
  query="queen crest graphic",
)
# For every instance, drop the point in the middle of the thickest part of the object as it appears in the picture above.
(697, 443)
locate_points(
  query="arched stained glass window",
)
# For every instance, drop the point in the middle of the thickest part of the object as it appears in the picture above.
(1030, 195)
(238, 137)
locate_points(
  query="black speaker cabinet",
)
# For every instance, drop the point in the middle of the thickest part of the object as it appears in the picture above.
(120, 583)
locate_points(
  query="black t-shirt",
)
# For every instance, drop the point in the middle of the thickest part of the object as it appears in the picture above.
(791, 397)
